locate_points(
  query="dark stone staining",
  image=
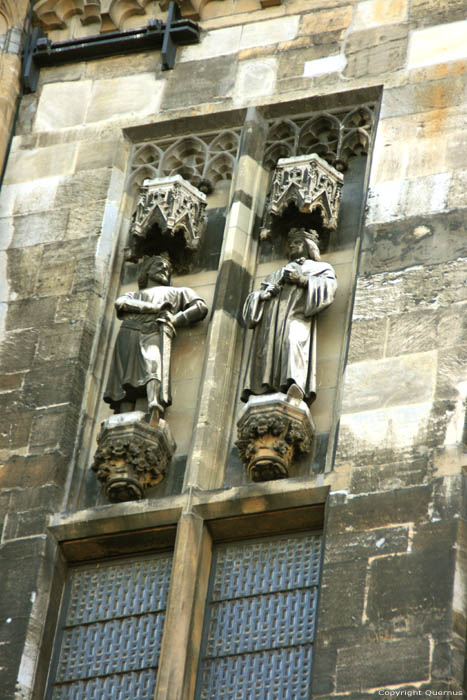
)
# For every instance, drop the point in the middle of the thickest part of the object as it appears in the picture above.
(210, 80)
(362, 545)
(395, 246)
(382, 662)
(396, 506)
(319, 452)
(424, 13)
(420, 582)
(253, 135)
(376, 51)
(243, 197)
(342, 596)
(233, 283)
(235, 474)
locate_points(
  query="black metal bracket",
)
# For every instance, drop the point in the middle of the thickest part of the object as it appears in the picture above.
(165, 36)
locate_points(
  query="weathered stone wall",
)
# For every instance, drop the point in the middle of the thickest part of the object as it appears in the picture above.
(392, 607)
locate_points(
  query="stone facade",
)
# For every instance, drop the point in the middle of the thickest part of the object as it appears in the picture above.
(378, 86)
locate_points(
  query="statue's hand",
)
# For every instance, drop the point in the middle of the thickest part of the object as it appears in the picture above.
(292, 276)
(272, 290)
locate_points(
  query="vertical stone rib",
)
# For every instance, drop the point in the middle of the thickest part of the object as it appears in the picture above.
(211, 438)
(184, 615)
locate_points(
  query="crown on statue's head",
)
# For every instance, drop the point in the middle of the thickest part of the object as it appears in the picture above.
(303, 234)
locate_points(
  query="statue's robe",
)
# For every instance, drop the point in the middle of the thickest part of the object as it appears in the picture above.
(283, 348)
(143, 346)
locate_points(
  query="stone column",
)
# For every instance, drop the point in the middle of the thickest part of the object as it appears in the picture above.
(211, 439)
(12, 20)
(181, 642)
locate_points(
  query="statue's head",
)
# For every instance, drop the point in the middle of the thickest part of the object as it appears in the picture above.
(155, 270)
(302, 243)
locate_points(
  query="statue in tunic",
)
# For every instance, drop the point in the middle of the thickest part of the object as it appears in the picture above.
(141, 359)
(283, 315)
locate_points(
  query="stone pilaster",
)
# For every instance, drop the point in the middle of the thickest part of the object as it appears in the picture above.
(211, 440)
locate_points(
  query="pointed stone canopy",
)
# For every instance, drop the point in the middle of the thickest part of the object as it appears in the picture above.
(310, 183)
(172, 205)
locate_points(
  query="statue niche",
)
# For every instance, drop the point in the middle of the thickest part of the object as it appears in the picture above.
(135, 446)
(280, 379)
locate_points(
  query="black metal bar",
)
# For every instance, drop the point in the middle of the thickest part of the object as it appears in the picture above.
(156, 35)
(168, 45)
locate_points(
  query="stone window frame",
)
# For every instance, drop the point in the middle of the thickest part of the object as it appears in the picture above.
(191, 524)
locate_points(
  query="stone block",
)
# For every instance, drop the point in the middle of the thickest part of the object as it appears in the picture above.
(11, 382)
(373, 13)
(457, 197)
(413, 241)
(429, 12)
(376, 51)
(269, 31)
(324, 21)
(420, 587)
(33, 471)
(40, 227)
(129, 64)
(90, 158)
(83, 188)
(325, 66)
(418, 288)
(218, 42)
(18, 349)
(129, 96)
(199, 82)
(367, 340)
(408, 505)
(85, 221)
(55, 279)
(22, 268)
(342, 595)
(53, 383)
(255, 79)
(30, 313)
(64, 341)
(38, 195)
(54, 429)
(383, 662)
(438, 44)
(412, 381)
(362, 545)
(410, 470)
(35, 163)
(62, 105)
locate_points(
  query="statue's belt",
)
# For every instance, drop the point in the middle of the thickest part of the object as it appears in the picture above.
(150, 325)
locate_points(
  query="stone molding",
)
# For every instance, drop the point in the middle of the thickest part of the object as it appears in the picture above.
(272, 431)
(172, 205)
(309, 183)
(132, 456)
(112, 14)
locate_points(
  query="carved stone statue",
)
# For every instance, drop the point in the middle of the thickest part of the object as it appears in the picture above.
(141, 359)
(283, 351)
(276, 425)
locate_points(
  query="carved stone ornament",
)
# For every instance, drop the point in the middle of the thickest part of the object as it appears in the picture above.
(272, 431)
(173, 205)
(308, 182)
(132, 456)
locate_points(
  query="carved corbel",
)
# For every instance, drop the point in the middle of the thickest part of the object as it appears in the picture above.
(55, 14)
(132, 456)
(273, 430)
(169, 206)
(309, 183)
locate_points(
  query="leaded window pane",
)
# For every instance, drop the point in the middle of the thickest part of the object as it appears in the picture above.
(260, 620)
(111, 636)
